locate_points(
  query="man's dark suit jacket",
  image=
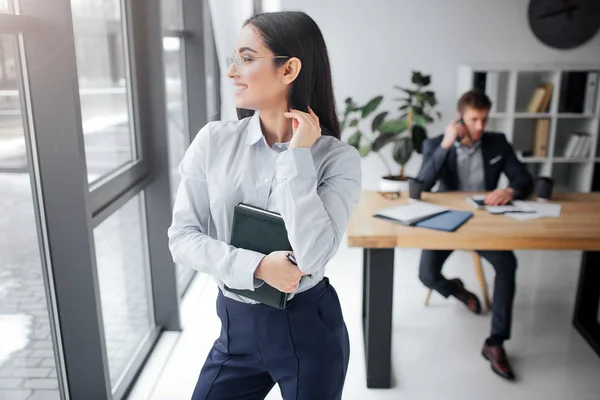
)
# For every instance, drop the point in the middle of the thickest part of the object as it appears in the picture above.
(498, 157)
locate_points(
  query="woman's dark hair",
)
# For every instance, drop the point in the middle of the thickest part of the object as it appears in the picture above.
(476, 99)
(295, 34)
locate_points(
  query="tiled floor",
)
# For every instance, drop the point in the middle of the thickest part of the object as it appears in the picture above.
(436, 350)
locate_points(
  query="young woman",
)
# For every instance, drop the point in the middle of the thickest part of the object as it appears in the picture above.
(283, 155)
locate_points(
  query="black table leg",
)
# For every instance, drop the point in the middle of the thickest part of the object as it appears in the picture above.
(378, 284)
(586, 318)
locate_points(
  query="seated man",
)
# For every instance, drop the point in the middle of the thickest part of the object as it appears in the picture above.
(467, 158)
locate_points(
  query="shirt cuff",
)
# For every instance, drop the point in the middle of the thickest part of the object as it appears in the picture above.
(294, 162)
(440, 147)
(243, 278)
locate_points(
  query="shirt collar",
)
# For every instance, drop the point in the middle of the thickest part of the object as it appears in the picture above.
(471, 149)
(254, 132)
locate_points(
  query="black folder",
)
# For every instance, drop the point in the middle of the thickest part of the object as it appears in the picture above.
(263, 231)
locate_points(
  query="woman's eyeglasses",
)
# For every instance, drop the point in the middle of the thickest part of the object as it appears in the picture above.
(238, 61)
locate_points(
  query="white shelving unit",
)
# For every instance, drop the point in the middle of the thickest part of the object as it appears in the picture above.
(510, 87)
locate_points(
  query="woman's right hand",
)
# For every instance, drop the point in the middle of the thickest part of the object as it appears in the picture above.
(279, 272)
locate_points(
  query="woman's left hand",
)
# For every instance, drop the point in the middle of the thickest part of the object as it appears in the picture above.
(306, 128)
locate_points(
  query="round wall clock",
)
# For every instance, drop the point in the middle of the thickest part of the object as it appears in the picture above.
(564, 24)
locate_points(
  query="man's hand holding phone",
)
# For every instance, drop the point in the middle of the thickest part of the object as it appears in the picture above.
(455, 131)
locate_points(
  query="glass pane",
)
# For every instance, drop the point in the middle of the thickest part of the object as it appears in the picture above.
(177, 128)
(177, 140)
(171, 14)
(27, 366)
(6, 7)
(121, 254)
(102, 71)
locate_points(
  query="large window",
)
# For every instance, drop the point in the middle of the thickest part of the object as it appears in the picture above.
(177, 127)
(27, 357)
(122, 262)
(103, 86)
(178, 131)
(87, 283)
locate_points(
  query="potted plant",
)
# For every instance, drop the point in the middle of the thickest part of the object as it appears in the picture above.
(406, 132)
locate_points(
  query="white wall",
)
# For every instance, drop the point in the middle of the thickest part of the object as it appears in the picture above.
(377, 43)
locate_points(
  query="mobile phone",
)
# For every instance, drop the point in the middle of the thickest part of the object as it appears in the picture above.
(460, 121)
(291, 257)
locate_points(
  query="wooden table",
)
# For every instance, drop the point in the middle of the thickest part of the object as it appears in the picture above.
(578, 228)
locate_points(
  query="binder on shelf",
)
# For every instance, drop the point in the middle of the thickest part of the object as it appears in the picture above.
(546, 100)
(540, 138)
(540, 100)
(572, 92)
(584, 146)
(571, 146)
(591, 93)
(537, 99)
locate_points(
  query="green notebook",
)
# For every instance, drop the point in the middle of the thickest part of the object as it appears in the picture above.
(263, 231)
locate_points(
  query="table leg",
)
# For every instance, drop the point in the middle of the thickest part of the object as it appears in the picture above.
(378, 283)
(586, 318)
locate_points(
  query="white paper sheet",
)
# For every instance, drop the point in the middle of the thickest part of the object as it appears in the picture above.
(541, 210)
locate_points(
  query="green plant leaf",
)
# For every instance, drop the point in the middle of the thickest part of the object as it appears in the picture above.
(354, 122)
(419, 134)
(371, 106)
(439, 114)
(354, 140)
(403, 107)
(394, 126)
(417, 110)
(382, 140)
(419, 120)
(407, 91)
(402, 150)
(428, 118)
(378, 120)
(417, 78)
(342, 125)
(364, 150)
(430, 98)
(350, 106)
(426, 80)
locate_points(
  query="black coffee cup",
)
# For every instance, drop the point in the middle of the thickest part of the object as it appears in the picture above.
(544, 187)
(415, 188)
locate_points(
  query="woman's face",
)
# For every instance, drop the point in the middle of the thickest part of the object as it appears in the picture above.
(258, 83)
